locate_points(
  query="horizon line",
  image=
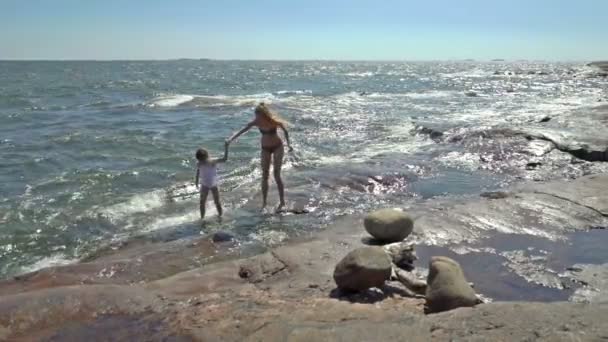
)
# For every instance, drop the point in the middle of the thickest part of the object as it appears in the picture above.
(292, 60)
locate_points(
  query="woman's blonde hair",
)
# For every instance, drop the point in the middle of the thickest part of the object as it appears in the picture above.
(271, 116)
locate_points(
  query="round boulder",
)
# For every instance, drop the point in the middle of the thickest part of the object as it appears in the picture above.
(388, 225)
(363, 268)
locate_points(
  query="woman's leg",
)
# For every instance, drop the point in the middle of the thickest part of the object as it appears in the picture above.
(216, 198)
(204, 193)
(266, 158)
(278, 164)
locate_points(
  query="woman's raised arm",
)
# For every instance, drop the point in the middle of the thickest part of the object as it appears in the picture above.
(239, 133)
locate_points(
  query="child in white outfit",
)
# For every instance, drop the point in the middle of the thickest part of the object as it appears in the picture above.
(206, 172)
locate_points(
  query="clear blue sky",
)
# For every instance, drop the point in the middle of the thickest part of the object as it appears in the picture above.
(304, 29)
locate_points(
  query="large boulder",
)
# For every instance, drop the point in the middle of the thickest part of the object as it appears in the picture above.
(388, 225)
(363, 268)
(447, 288)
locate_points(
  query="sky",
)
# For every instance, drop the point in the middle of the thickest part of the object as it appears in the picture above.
(565, 30)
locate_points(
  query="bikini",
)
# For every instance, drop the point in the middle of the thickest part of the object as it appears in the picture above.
(270, 149)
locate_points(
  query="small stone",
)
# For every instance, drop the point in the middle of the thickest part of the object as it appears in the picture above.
(495, 194)
(222, 236)
(532, 165)
(245, 272)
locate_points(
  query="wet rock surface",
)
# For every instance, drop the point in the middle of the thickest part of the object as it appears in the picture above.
(185, 293)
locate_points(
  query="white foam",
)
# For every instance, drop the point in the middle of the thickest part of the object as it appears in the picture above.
(140, 203)
(171, 100)
(214, 100)
(433, 94)
(467, 160)
(50, 261)
(176, 220)
(293, 92)
(269, 237)
(360, 74)
(473, 73)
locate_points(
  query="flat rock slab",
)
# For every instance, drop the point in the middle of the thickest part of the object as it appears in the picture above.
(595, 281)
(590, 191)
(590, 144)
(490, 322)
(547, 210)
(288, 293)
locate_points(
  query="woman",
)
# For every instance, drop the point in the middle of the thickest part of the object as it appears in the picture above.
(272, 148)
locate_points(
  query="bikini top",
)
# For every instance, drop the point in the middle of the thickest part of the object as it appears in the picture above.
(268, 131)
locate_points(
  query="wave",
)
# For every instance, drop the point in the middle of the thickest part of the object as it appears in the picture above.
(171, 100)
(283, 96)
(178, 100)
(50, 261)
(294, 92)
(141, 203)
(434, 94)
(473, 73)
(360, 74)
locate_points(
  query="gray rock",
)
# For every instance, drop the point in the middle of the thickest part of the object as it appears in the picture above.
(590, 144)
(363, 268)
(434, 134)
(388, 225)
(403, 255)
(222, 236)
(602, 65)
(412, 283)
(447, 288)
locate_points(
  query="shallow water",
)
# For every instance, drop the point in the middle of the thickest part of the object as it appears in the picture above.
(97, 152)
(509, 267)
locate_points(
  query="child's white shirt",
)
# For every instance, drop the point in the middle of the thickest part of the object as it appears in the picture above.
(207, 174)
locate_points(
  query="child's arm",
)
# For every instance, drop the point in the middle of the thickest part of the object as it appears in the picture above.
(196, 177)
(225, 158)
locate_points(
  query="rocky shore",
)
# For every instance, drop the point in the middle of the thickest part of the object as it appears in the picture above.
(171, 292)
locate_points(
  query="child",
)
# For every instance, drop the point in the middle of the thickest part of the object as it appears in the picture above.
(206, 171)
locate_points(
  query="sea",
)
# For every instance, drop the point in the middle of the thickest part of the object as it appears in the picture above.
(93, 153)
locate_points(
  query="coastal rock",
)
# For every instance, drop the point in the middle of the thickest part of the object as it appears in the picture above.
(589, 145)
(471, 94)
(545, 119)
(402, 254)
(412, 283)
(434, 134)
(222, 236)
(388, 225)
(447, 288)
(363, 268)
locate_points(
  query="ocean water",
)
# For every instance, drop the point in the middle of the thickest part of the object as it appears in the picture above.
(98, 152)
